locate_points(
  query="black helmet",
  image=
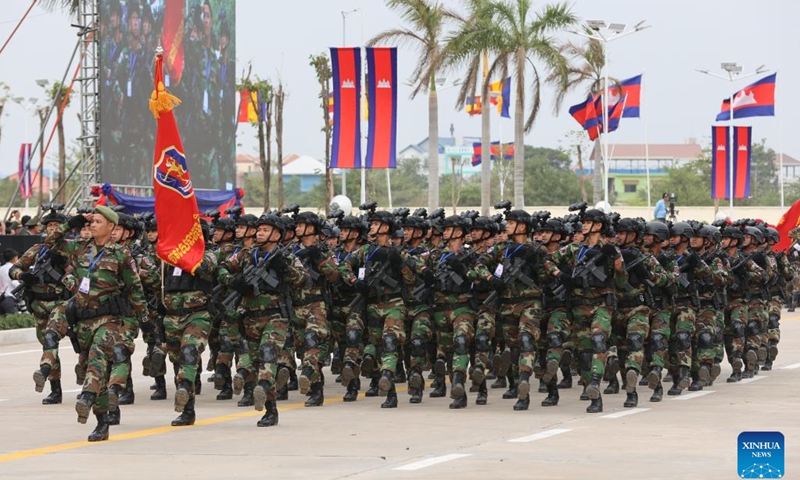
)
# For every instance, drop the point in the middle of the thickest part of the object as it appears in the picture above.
(329, 230)
(352, 223)
(657, 229)
(630, 225)
(595, 215)
(383, 216)
(519, 215)
(555, 225)
(206, 228)
(755, 233)
(416, 222)
(248, 220)
(457, 221)
(310, 218)
(773, 235)
(54, 216)
(286, 221)
(709, 232)
(485, 223)
(128, 222)
(271, 220)
(150, 224)
(733, 232)
(683, 228)
(226, 224)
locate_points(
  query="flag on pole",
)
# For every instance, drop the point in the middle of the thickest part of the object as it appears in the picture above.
(788, 222)
(382, 100)
(346, 68)
(720, 161)
(615, 113)
(754, 100)
(473, 105)
(180, 238)
(631, 92)
(25, 183)
(247, 109)
(173, 32)
(494, 150)
(585, 113)
(501, 96)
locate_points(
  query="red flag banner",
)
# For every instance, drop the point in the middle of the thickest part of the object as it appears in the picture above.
(741, 156)
(720, 162)
(346, 69)
(788, 222)
(25, 184)
(382, 96)
(172, 40)
(180, 238)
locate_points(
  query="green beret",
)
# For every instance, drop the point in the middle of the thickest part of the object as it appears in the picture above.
(110, 215)
(32, 222)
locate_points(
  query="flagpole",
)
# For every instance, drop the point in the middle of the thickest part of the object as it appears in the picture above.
(731, 189)
(606, 164)
(646, 146)
(363, 137)
(780, 161)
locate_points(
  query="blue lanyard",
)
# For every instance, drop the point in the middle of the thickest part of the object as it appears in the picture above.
(583, 251)
(257, 259)
(339, 256)
(208, 65)
(132, 62)
(93, 262)
(512, 253)
(444, 257)
(369, 256)
(42, 252)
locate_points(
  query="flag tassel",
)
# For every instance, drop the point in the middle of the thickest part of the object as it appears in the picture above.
(161, 101)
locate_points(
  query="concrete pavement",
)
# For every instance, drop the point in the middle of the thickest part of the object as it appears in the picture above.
(691, 436)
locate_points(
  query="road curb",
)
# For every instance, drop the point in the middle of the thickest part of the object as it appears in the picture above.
(17, 335)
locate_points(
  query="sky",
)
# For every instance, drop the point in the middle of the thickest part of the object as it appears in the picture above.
(678, 103)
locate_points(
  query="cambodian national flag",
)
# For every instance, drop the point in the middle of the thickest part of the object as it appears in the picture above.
(586, 113)
(755, 100)
(382, 97)
(721, 161)
(25, 183)
(346, 69)
(631, 91)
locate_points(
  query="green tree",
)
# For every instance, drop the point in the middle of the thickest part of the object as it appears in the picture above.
(549, 168)
(59, 96)
(264, 96)
(425, 33)
(322, 68)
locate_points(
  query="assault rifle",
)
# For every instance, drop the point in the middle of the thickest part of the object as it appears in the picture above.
(442, 275)
(44, 272)
(513, 274)
(374, 280)
(257, 276)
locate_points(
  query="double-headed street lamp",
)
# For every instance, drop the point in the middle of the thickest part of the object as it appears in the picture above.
(605, 33)
(733, 72)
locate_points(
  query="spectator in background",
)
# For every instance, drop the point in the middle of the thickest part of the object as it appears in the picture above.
(8, 304)
(34, 227)
(660, 212)
(11, 228)
(16, 215)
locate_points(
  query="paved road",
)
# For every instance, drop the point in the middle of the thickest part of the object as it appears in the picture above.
(692, 436)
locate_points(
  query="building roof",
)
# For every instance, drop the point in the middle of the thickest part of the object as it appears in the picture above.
(302, 165)
(788, 160)
(671, 151)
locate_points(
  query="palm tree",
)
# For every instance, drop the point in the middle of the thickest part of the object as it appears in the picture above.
(425, 32)
(280, 96)
(322, 67)
(264, 96)
(468, 47)
(521, 39)
(59, 96)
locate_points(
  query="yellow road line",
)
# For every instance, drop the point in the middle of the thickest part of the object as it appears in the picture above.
(36, 452)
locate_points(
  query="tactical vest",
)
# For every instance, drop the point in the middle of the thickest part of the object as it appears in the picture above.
(185, 282)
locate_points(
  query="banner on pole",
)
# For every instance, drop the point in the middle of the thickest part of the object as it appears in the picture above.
(346, 68)
(720, 161)
(382, 96)
(25, 183)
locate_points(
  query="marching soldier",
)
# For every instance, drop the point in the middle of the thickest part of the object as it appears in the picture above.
(780, 294)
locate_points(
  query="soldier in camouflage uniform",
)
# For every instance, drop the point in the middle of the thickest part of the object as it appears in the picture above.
(311, 305)
(741, 270)
(43, 293)
(756, 310)
(517, 269)
(377, 272)
(109, 288)
(265, 319)
(187, 325)
(154, 361)
(593, 298)
(229, 338)
(780, 293)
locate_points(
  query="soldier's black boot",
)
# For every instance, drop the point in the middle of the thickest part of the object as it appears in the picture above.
(654, 377)
(391, 398)
(372, 391)
(55, 393)
(127, 397)
(352, 390)
(349, 373)
(632, 400)
(270, 418)
(704, 375)
(596, 406)
(114, 416)
(260, 394)
(283, 393)
(84, 405)
(658, 393)
(80, 373)
(613, 386)
(500, 382)
(696, 385)
(304, 381)
(542, 386)
(182, 395)
(400, 372)
(222, 376)
(593, 389)
(247, 396)
(198, 381)
(524, 386)
(317, 397)
(766, 367)
(100, 432)
(385, 383)
(551, 400)
(522, 404)
(565, 382)
(512, 387)
(683, 380)
(368, 366)
(40, 377)
(483, 394)
(187, 416)
(439, 387)
(584, 397)
(160, 393)
(226, 393)
(773, 351)
(458, 393)
(292, 385)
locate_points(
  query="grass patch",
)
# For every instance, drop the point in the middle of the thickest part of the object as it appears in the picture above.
(16, 320)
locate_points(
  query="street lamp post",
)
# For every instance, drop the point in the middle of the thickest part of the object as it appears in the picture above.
(733, 73)
(613, 31)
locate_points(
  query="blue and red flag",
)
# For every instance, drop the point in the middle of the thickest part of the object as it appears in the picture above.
(501, 96)
(494, 150)
(631, 92)
(25, 183)
(180, 238)
(755, 100)
(615, 113)
(382, 96)
(586, 113)
(346, 68)
(720, 161)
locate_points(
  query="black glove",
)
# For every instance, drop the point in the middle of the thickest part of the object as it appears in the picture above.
(498, 285)
(378, 255)
(28, 278)
(161, 309)
(610, 251)
(280, 264)
(239, 285)
(428, 277)
(314, 253)
(564, 278)
(361, 287)
(147, 327)
(77, 221)
(394, 258)
(457, 266)
(692, 260)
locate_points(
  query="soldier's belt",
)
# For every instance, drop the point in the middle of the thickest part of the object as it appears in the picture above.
(115, 305)
(631, 302)
(185, 311)
(707, 303)
(309, 300)
(45, 297)
(450, 306)
(552, 303)
(592, 302)
(683, 301)
(261, 313)
(513, 300)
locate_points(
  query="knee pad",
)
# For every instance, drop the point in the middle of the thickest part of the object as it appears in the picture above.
(554, 340)
(753, 329)
(635, 342)
(774, 322)
(461, 346)
(390, 343)
(312, 340)
(526, 342)
(121, 354)
(683, 341)
(189, 355)
(705, 340)
(659, 342)
(483, 343)
(225, 344)
(585, 360)
(267, 353)
(50, 340)
(353, 338)
(599, 343)
(417, 347)
(738, 329)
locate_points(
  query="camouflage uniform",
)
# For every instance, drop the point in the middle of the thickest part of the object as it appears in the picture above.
(660, 328)
(230, 338)
(711, 292)
(352, 326)
(422, 326)
(780, 290)
(743, 271)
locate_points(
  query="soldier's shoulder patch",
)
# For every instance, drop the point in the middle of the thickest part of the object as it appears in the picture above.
(133, 266)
